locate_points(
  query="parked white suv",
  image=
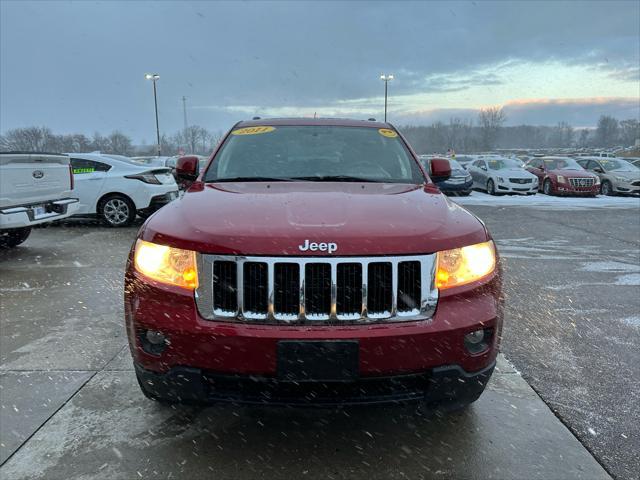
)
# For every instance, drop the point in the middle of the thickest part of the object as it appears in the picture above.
(116, 189)
(34, 188)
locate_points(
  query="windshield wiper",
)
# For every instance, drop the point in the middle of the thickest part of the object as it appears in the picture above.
(337, 178)
(252, 179)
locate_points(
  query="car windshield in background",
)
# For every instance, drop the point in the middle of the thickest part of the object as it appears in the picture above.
(618, 166)
(455, 165)
(314, 153)
(502, 163)
(562, 164)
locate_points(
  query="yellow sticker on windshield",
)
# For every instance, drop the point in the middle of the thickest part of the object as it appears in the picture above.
(252, 130)
(385, 132)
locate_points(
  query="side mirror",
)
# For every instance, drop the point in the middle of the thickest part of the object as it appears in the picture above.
(440, 169)
(187, 168)
(598, 170)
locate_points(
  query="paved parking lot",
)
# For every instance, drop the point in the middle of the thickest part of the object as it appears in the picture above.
(70, 407)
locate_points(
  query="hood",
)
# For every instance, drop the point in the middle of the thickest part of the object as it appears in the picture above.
(573, 173)
(459, 172)
(626, 175)
(275, 218)
(514, 173)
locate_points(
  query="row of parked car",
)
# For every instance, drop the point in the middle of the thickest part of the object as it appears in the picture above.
(37, 188)
(552, 175)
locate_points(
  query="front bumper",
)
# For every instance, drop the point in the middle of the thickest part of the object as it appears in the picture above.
(386, 349)
(448, 384)
(519, 188)
(450, 186)
(628, 188)
(33, 214)
(159, 201)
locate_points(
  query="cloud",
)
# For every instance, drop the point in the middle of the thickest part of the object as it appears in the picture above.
(579, 112)
(235, 58)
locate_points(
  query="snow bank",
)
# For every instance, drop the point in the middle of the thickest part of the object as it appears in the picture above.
(542, 201)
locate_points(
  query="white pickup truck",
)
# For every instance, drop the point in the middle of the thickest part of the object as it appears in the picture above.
(34, 188)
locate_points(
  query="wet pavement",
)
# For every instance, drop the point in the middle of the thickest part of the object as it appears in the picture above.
(71, 408)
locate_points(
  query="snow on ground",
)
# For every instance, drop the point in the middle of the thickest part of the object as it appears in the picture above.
(542, 201)
(632, 321)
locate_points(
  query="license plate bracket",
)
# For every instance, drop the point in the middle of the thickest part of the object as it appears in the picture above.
(39, 211)
(329, 360)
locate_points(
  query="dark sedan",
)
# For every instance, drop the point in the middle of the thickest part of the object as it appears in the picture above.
(460, 182)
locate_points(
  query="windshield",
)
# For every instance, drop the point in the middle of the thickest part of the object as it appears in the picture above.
(562, 164)
(455, 165)
(617, 166)
(499, 164)
(318, 153)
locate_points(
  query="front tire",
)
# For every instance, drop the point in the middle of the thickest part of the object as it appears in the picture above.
(117, 211)
(547, 188)
(606, 188)
(491, 188)
(14, 237)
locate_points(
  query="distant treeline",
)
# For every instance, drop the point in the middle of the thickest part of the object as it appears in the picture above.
(194, 139)
(488, 133)
(485, 134)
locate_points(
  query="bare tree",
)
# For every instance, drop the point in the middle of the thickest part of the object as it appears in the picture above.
(491, 120)
(607, 131)
(31, 139)
(120, 144)
(629, 132)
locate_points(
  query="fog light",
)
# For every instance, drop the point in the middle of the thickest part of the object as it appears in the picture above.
(154, 337)
(478, 341)
(153, 342)
(473, 338)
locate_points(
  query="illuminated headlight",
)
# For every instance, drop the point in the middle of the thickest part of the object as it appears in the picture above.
(465, 265)
(172, 266)
(561, 179)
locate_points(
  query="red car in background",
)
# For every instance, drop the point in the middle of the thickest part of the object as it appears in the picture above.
(563, 176)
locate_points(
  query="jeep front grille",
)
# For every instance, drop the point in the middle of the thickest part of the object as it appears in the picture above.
(582, 182)
(316, 290)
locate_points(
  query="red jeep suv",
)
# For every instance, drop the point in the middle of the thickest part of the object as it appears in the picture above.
(313, 261)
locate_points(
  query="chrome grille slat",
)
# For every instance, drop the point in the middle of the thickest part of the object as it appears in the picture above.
(316, 290)
(582, 182)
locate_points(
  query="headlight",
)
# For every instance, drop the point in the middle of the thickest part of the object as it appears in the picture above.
(467, 178)
(621, 179)
(597, 180)
(169, 265)
(561, 179)
(500, 180)
(464, 265)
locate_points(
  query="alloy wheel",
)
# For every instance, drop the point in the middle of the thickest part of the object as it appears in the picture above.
(116, 211)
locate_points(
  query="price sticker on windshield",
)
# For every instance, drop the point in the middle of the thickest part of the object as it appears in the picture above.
(386, 132)
(252, 130)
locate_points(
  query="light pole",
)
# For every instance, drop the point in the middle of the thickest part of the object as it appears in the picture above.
(154, 77)
(385, 79)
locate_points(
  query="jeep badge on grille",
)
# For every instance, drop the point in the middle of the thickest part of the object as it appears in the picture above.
(314, 247)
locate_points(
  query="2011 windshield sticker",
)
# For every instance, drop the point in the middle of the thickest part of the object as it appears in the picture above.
(386, 132)
(253, 130)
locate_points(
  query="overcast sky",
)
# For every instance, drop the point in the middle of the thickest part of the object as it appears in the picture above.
(79, 66)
